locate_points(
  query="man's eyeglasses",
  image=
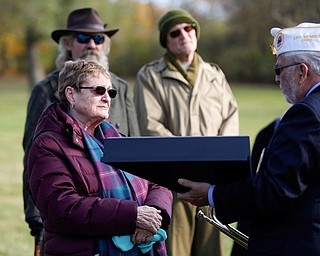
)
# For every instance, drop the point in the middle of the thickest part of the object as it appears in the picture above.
(100, 90)
(280, 68)
(85, 38)
(177, 32)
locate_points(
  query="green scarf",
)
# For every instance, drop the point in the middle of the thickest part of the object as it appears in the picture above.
(174, 64)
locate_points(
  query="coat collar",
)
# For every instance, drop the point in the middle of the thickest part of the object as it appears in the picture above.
(314, 89)
(212, 74)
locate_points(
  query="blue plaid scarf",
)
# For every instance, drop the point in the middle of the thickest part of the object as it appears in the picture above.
(115, 184)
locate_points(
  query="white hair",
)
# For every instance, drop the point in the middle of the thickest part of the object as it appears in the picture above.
(311, 58)
(65, 55)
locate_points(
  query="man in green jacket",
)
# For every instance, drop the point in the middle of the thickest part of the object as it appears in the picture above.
(182, 95)
(85, 37)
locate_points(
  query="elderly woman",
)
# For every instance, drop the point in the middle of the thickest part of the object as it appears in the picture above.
(88, 207)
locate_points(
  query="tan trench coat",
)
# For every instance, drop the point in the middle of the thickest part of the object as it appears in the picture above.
(167, 105)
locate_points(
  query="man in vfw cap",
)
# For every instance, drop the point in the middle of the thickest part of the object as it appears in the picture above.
(282, 201)
(85, 37)
(182, 95)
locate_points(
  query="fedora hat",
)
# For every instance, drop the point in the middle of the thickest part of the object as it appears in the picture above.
(85, 20)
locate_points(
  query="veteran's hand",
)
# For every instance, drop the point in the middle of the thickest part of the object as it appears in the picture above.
(149, 218)
(198, 195)
(141, 236)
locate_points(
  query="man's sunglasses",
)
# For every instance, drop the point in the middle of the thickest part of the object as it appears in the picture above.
(278, 69)
(85, 38)
(100, 90)
(177, 32)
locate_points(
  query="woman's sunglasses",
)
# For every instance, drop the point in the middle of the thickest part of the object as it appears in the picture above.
(100, 90)
(85, 38)
(177, 32)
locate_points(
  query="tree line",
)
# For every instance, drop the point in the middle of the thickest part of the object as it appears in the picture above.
(234, 33)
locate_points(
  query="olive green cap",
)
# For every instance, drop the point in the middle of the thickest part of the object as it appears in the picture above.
(174, 17)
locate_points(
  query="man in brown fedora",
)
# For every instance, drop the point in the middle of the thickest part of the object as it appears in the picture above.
(86, 36)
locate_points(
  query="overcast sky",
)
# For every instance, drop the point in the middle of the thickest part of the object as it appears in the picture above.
(202, 6)
(164, 3)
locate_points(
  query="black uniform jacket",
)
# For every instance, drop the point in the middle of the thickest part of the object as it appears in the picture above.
(283, 199)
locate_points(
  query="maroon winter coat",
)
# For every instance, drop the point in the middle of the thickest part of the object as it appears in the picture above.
(65, 187)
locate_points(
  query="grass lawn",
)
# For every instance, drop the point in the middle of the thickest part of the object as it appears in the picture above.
(15, 239)
(258, 107)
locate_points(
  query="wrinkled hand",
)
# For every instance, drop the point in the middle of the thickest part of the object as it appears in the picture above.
(198, 195)
(141, 236)
(149, 218)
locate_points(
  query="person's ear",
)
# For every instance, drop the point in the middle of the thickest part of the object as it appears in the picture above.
(68, 43)
(70, 95)
(303, 70)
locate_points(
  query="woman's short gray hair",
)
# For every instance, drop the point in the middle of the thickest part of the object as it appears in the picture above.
(74, 73)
